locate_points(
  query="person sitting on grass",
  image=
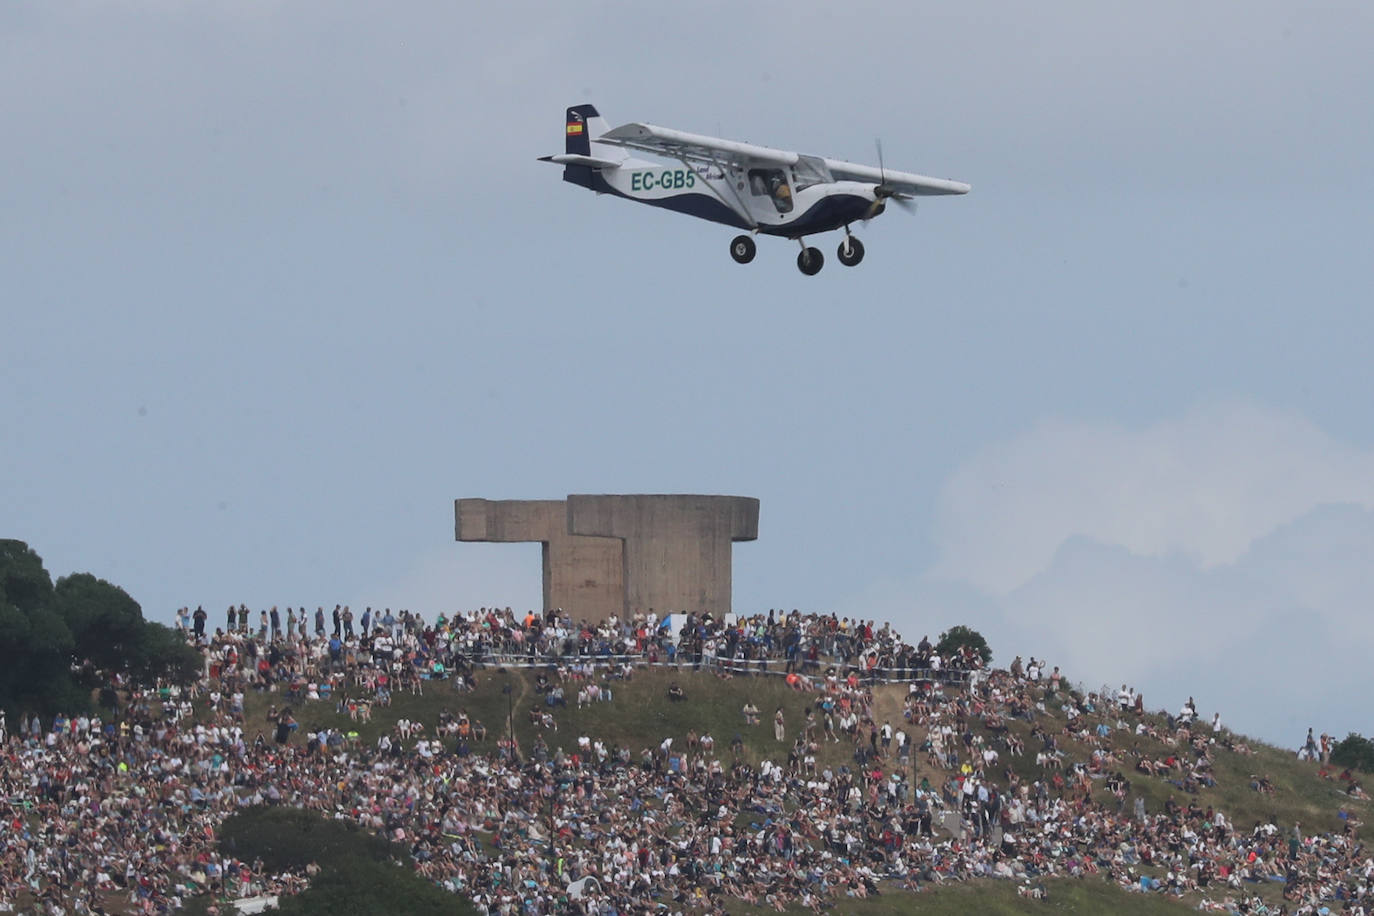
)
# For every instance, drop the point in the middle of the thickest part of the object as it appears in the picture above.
(675, 693)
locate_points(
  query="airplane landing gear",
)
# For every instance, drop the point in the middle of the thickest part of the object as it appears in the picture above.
(743, 249)
(810, 261)
(851, 251)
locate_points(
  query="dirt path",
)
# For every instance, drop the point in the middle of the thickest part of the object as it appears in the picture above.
(889, 705)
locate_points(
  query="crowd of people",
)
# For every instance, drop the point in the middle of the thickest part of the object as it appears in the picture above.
(121, 812)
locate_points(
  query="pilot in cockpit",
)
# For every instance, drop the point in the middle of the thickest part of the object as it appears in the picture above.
(779, 188)
(781, 193)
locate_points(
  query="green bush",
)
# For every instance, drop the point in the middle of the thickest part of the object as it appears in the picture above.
(359, 871)
(367, 888)
(1355, 751)
(957, 637)
(291, 838)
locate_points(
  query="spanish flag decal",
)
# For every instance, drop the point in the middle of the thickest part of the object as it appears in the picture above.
(574, 127)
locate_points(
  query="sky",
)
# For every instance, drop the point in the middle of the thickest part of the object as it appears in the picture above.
(280, 281)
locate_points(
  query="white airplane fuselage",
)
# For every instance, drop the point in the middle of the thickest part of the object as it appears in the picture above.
(736, 197)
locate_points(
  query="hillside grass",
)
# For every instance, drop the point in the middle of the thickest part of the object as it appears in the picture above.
(639, 716)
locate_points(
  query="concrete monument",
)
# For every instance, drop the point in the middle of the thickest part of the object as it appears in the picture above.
(607, 554)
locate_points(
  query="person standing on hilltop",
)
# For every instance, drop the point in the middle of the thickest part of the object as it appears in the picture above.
(1309, 747)
(779, 731)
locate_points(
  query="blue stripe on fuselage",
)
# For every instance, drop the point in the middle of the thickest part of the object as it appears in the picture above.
(832, 212)
(702, 206)
(827, 213)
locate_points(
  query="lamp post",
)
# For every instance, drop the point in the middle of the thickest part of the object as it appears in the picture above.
(510, 718)
(554, 878)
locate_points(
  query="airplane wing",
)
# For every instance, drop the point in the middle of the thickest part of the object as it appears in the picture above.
(678, 144)
(901, 182)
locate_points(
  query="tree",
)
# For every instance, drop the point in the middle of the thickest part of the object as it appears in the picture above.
(26, 597)
(35, 644)
(82, 624)
(104, 621)
(1354, 751)
(955, 638)
(159, 652)
(24, 583)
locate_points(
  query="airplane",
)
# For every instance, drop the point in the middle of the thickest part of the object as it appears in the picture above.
(755, 188)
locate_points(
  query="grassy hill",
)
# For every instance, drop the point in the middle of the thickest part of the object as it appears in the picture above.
(641, 715)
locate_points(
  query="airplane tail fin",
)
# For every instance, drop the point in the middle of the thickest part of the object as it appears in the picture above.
(583, 157)
(584, 123)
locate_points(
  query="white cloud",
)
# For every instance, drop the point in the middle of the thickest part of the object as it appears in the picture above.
(1223, 555)
(1206, 486)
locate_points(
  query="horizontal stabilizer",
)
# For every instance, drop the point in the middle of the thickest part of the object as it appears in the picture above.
(591, 162)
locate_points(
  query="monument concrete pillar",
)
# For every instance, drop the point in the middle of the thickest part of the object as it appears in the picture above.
(676, 549)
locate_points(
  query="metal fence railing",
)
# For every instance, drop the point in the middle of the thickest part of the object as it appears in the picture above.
(765, 667)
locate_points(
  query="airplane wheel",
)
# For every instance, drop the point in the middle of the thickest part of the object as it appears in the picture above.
(743, 249)
(810, 261)
(856, 251)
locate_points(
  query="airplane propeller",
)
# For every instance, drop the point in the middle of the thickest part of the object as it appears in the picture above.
(883, 192)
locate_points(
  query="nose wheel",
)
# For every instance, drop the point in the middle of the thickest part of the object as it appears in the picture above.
(743, 249)
(851, 251)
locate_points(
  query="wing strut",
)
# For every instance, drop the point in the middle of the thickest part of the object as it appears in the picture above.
(738, 206)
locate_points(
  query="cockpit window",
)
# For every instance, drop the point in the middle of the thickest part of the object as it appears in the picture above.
(809, 170)
(774, 184)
